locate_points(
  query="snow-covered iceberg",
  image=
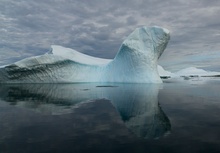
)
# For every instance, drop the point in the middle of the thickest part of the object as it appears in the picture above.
(187, 72)
(191, 75)
(136, 62)
(164, 73)
(193, 71)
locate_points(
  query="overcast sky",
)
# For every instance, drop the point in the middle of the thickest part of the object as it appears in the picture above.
(98, 27)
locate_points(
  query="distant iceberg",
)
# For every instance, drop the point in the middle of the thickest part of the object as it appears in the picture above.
(187, 72)
(135, 62)
(193, 71)
(163, 72)
(191, 75)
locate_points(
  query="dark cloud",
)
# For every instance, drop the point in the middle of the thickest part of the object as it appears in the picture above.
(98, 27)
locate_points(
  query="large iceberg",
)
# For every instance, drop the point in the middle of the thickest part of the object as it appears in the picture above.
(135, 62)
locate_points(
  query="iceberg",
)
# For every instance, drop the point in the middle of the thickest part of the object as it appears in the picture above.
(193, 71)
(186, 73)
(135, 62)
(164, 73)
(190, 75)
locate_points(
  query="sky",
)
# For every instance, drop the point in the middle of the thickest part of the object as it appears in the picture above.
(98, 27)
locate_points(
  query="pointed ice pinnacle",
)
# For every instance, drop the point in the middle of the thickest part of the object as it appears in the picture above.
(135, 62)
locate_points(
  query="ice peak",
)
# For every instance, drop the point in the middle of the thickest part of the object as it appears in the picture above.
(148, 41)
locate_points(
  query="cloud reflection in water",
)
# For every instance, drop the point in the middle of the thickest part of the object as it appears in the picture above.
(137, 104)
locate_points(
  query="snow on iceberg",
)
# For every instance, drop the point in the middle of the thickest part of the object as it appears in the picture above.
(135, 62)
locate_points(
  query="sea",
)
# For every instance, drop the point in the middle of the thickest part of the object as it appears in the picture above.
(178, 116)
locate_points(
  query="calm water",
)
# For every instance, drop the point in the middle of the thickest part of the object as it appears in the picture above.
(181, 117)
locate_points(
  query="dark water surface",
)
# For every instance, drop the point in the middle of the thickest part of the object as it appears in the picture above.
(180, 117)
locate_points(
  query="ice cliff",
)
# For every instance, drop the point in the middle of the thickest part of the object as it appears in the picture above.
(135, 62)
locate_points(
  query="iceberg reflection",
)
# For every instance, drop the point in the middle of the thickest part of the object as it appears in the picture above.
(137, 104)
